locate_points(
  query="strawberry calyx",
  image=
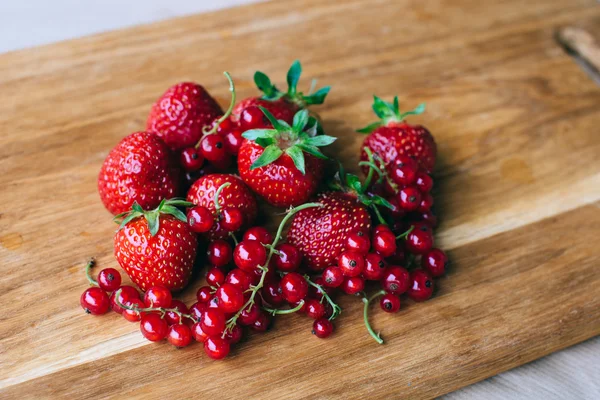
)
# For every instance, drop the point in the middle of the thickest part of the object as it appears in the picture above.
(166, 207)
(302, 137)
(389, 113)
(272, 93)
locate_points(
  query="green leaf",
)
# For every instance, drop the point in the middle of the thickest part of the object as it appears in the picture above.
(321, 140)
(317, 97)
(396, 105)
(300, 120)
(293, 76)
(263, 83)
(380, 201)
(136, 207)
(270, 154)
(271, 118)
(284, 125)
(153, 221)
(254, 134)
(264, 142)
(313, 125)
(312, 150)
(353, 182)
(174, 212)
(370, 128)
(419, 110)
(179, 202)
(129, 218)
(297, 157)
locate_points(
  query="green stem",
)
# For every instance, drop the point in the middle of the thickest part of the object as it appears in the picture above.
(254, 289)
(275, 311)
(232, 235)
(372, 169)
(379, 216)
(88, 267)
(336, 309)
(162, 310)
(215, 126)
(368, 301)
(405, 234)
(217, 194)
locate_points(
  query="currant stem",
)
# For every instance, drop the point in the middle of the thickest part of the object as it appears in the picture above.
(275, 311)
(235, 241)
(162, 310)
(336, 309)
(88, 267)
(214, 128)
(217, 194)
(368, 301)
(372, 169)
(379, 216)
(405, 234)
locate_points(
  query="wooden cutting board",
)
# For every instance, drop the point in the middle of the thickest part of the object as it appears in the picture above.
(518, 193)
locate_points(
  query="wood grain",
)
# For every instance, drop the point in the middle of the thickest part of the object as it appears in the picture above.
(518, 189)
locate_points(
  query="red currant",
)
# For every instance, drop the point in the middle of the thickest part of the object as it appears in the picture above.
(404, 170)
(200, 219)
(179, 335)
(198, 333)
(233, 142)
(249, 255)
(429, 218)
(288, 259)
(230, 298)
(351, 263)
(358, 242)
(435, 261)
(95, 301)
(409, 198)
(333, 277)
(215, 277)
(294, 287)
(253, 118)
(322, 328)
(172, 317)
(213, 303)
(374, 267)
(213, 148)
(423, 182)
(239, 278)
(258, 233)
(395, 279)
(426, 203)
(262, 323)
(213, 321)
(249, 315)
(421, 285)
(203, 294)
(315, 309)
(227, 125)
(127, 293)
(132, 315)
(419, 240)
(384, 242)
(353, 285)
(272, 292)
(197, 310)
(109, 279)
(399, 256)
(396, 212)
(380, 228)
(216, 347)
(191, 159)
(390, 303)
(219, 253)
(153, 327)
(232, 219)
(158, 296)
(234, 335)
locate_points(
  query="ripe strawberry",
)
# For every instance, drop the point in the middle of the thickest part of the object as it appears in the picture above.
(283, 165)
(181, 113)
(391, 137)
(157, 247)
(141, 169)
(236, 195)
(321, 234)
(283, 105)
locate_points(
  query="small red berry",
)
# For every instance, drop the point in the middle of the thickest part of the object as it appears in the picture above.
(234, 335)
(203, 294)
(424, 182)
(197, 310)
(395, 279)
(233, 142)
(200, 219)
(262, 323)
(426, 203)
(294, 287)
(353, 285)
(272, 292)
(230, 298)
(158, 296)
(216, 347)
(213, 148)
(232, 219)
(390, 303)
(419, 240)
(132, 315)
(380, 228)
(179, 335)
(358, 242)
(249, 315)
(249, 255)
(384, 242)
(109, 279)
(404, 171)
(322, 328)
(215, 277)
(374, 267)
(153, 327)
(429, 218)
(239, 278)
(127, 293)
(409, 198)
(288, 259)
(258, 233)
(213, 303)
(198, 333)
(213, 321)
(219, 253)
(253, 118)
(435, 261)
(351, 263)
(95, 301)
(333, 277)
(314, 309)
(191, 159)
(227, 125)
(172, 317)
(421, 285)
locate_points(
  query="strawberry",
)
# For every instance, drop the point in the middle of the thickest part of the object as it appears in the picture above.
(141, 169)
(157, 247)
(284, 165)
(283, 105)
(391, 137)
(181, 113)
(236, 195)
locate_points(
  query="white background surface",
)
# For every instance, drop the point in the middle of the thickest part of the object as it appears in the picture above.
(570, 374)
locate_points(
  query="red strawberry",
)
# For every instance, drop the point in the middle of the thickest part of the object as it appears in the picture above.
(141, 168)
(390, 137)
(236, 195)
(284, 165)
(156, 248)
(321, 233)
(181, 113)
(283, 105)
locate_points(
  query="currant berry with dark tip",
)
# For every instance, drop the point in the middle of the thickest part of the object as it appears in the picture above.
(95, 301)
(390, 303)
(374, 267)
(191, 159)
(200, 219)
(288, 258)
(249, 255)
(216, 347)
(322, 328)
(409, 198)
(293, 287)
(314, 309)
(333, 277)
(203, 294)
(153, 327)
(404, 171)
(435, 261)
(395, 280)
(127, 293)
(213, 149)
(179, 335)
(197, 310)
(109, 279)
(272, 292)
(421, 285)
(230, 298)
(353, 285)
(260, 234)
(213, 321)
(172, 317)
(420, 239)
(158, 296)
(351, 263)
(249, 315)
(384, 242)
(426, 203)
(358, 242)
(423, 181)
(232, 219)
(262, 323)
(219, 253)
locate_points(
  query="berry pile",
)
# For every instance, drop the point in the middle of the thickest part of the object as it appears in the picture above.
(346, 236)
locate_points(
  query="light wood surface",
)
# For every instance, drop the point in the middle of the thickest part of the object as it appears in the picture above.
(518, 193)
